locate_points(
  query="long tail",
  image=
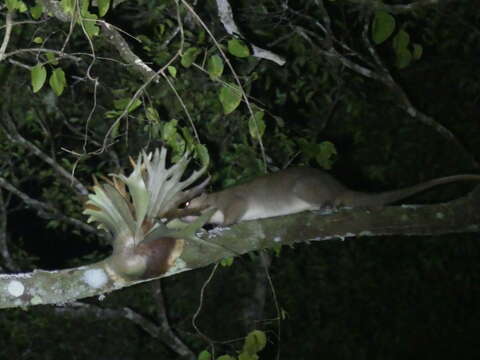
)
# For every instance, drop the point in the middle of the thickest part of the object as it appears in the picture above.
(359, 199)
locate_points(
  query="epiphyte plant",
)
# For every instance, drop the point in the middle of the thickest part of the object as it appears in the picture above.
(135, 210)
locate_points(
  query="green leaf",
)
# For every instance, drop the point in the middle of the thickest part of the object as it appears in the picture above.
(326, 154)
(230, 97)
(204, 355)
(12, 4)
(228, 261)
(90, 24)
(115, 129)
(169, 131)
(112, 114)
(103, 6)
(121, 104)
(417, 51)
(256, 125)
(255, 342)
(215, 66)
(38, 40)
(189, 56)
(401, 41)
(202, 153)
(189, 139)
(201, 37)
(51, 58)
(68, 6)
(57, 81)
(36, 11)
(38, 76)
(404, 58)
(225, 357)
(22, 7)
(172, 70)
(238, 48)
(247, 356)
(383, 26)
(152, 115)
(84, 4)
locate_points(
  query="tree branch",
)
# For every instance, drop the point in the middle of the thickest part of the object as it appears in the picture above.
(170, 338)
(79, 309)
(63, 286)
(45, 210)
(113, 36)
(4, 251)
(14, 136)
(376, 70)
(399, 9)
(6, 37)
(226, 17)
(404, 102)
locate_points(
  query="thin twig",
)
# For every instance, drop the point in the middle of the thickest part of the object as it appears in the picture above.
(13, 134)
(170, 338)
(8, 32)
(234, 73)
(401, 8)
(199, 309)
(226, 17)
(4, 251)
(45, 210)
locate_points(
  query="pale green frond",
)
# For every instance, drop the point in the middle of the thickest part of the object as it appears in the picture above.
(152, 190)
(138, 192)
(164, 184)
(107, 207)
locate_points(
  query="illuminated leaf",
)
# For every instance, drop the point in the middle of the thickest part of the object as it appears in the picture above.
(57, 81)
(36, 11)
(38, 76)
(189, 56)
(68, 6)
(202, 152)
(255, 342)
(230, 97)
(89, 22)
(51, 58)
(152, 115)
(238, 48)
(172, 70)
(204, 355)
(103, 6)
(215, 66)
(326, 154)
(256, 125)
(121, 104)
(228, 261)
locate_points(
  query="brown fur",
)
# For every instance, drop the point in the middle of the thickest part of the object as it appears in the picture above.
(298, 189)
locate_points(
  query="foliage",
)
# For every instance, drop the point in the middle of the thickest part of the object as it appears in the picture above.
(255, 342)
(93, 114)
